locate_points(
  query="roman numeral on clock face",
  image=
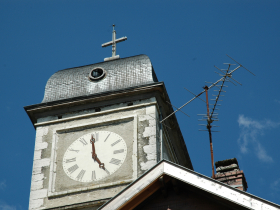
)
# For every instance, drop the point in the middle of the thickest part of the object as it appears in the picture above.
(73, 168)
(93, 176)
(81, 174)
(107, 171)
(115, 143)
(107, 137)
(118, 151)
(70, 160)
(115, 161)
(83, 141)
(96, 136)
(72, 150)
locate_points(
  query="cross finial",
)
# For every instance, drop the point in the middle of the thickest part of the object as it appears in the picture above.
(114, 45)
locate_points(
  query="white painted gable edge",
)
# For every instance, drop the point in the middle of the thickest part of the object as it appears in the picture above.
(192, 178)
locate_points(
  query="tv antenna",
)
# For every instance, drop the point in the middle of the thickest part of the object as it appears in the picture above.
(211, 116)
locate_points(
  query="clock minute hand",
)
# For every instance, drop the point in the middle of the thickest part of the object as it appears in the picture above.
(94, 155)
(92, 140)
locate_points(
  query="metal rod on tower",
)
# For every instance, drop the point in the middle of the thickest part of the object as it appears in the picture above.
(179, 110)
(114, 46)
(209, 121)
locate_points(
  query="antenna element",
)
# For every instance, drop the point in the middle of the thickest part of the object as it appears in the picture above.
(210, 117)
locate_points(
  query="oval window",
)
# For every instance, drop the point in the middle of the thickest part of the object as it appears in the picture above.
(97, 74)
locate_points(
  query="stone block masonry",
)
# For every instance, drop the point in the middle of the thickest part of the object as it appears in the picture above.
(38, 192)
(151, 133)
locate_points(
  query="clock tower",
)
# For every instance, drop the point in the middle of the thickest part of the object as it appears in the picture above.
(97, 130)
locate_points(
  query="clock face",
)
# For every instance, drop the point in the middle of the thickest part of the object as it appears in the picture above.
(94, 156)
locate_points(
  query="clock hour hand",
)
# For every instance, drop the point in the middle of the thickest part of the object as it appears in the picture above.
(94, 155)
(101, 165)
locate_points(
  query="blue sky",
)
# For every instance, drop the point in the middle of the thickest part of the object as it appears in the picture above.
(184, 40)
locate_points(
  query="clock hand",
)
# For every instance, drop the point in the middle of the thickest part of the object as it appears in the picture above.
(92, 140)
(101, 165)
(94, 155)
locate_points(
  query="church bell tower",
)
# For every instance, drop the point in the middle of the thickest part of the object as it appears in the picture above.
(98, 130)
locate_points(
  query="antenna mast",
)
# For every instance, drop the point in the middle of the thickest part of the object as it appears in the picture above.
(210, 117)
(209, 121)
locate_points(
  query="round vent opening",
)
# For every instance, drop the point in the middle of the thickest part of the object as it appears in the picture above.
(97, 74)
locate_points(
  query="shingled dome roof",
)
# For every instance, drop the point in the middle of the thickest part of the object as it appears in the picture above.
(118, 74)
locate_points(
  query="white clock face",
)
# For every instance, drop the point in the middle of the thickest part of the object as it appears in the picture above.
(94, 156)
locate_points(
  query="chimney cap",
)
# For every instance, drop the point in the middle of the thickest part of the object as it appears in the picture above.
(226, 162)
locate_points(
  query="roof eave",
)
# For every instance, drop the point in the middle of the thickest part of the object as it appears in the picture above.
(193, 178)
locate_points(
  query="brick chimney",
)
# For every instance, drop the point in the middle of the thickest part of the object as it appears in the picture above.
(229, 173)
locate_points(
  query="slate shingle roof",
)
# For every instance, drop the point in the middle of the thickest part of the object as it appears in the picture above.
(121, 74)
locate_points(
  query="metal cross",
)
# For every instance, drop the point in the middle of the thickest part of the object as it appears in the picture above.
(114, 45)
